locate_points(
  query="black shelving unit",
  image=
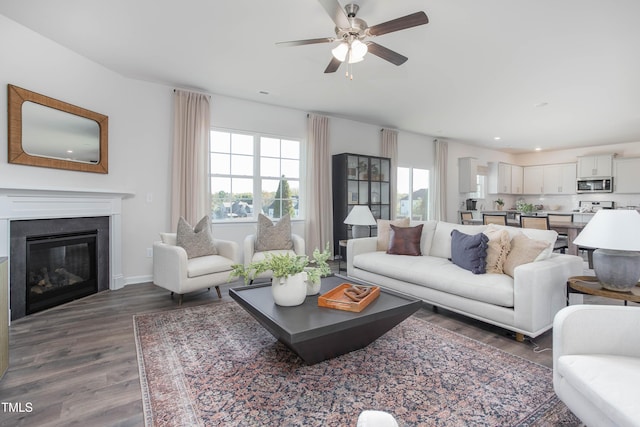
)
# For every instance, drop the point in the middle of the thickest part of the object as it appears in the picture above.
(359, 180)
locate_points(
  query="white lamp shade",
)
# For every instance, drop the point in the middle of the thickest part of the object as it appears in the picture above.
(358, 51)
(612, 229)
(360, 215)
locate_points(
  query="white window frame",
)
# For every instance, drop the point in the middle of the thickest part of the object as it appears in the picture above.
(410, 193)
(257, 176)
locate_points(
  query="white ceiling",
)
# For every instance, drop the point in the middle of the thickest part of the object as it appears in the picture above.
(478, 70)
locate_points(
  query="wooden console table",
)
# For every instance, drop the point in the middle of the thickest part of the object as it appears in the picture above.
(590, 285)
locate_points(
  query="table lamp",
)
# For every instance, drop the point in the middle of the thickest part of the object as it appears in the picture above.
(360, 218)
(616, 235)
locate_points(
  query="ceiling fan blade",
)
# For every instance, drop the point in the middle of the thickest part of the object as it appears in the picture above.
(336, 12)
(413, 20)
(333, 66)
(307, 41)
(386, 54)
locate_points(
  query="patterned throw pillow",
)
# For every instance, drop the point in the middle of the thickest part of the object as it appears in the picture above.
(498, 247)
(405, 240)
(198, 240)
(272, 236)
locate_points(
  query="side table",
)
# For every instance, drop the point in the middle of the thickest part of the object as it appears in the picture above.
(590, 285)
(342, 249)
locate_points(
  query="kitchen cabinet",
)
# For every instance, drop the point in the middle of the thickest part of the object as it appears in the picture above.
(532, 180)
(559, 179)
(467, 175)
(516, 179)
(599, 166)
(626, 175)
(499, 179)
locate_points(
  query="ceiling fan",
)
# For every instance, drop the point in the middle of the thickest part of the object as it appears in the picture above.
(352, 33)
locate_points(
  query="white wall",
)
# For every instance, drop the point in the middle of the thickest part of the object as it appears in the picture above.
(139, 133)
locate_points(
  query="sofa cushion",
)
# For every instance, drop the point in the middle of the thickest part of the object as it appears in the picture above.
(168, 238)
(608, 382)
(384, 230)
(272, 236)
(208, 265)
(498, 247)
(196, 241)
(523, 251)
(441, 245)
(439, 274)
(548, 236)
(469, 251)
(428, 230)
(405, 240)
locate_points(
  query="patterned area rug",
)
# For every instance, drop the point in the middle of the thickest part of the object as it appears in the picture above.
(215, 365)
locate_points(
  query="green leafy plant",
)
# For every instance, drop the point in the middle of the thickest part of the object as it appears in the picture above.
(524, 207)
(285, 265)
(500, 202)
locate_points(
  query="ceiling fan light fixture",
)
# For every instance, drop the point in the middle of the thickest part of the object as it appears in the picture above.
(356, 53)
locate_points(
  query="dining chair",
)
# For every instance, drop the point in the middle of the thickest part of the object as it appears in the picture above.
(539, 222)
(500, 219)
(466, 217)
(563, 240)
(542, 223)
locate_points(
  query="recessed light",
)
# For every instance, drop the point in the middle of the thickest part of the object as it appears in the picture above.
(497, 138)
(70, 151)
(537, 148)
(542, 104)
(263, 92)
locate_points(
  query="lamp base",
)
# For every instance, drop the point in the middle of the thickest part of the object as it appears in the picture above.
(617, 270)
(358, 231)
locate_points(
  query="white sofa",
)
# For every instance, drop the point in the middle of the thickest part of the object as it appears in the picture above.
(596, 363)
(524, 304)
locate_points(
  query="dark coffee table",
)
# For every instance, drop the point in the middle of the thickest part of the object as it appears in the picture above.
(318, 333)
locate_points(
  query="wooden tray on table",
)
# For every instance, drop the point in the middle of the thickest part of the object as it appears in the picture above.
(336, 298)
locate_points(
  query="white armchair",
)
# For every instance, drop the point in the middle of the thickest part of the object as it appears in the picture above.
(251, 255)
(596, 363)
(173, 271)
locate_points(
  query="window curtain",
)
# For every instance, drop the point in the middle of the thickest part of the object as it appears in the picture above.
(319, 213)
(190, 196)
(390, 149)
(440, 180)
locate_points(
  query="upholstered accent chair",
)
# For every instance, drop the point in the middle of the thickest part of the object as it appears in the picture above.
(596, 363)
(174, 271)
(251, 254)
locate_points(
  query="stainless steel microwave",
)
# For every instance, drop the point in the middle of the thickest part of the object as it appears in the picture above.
(599, 185)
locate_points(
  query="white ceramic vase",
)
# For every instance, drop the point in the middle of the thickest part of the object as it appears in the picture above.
(289, 291)
(313, 288)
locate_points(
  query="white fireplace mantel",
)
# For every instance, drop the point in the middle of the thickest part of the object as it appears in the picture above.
(43, 203)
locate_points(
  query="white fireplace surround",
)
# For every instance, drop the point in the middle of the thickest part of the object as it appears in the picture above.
(46, 203)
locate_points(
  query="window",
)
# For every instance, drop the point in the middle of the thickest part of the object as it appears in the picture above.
(253, 173)
(413, 194)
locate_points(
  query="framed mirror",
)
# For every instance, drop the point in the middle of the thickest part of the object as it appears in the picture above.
(50, 133)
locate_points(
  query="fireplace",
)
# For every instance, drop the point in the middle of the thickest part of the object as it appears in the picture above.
(54, 261)
(60, 268)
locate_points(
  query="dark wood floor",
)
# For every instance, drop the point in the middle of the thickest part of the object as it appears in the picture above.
(76, 364)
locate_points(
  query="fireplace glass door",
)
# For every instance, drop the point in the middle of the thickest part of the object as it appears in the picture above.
(60, 268)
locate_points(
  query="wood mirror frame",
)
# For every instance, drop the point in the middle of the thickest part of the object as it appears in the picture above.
(17, 97)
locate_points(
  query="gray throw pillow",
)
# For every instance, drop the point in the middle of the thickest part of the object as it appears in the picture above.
(198, 240)
(469, 251)
(272, 236)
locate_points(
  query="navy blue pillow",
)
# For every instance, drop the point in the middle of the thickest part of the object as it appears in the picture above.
(469, 251)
